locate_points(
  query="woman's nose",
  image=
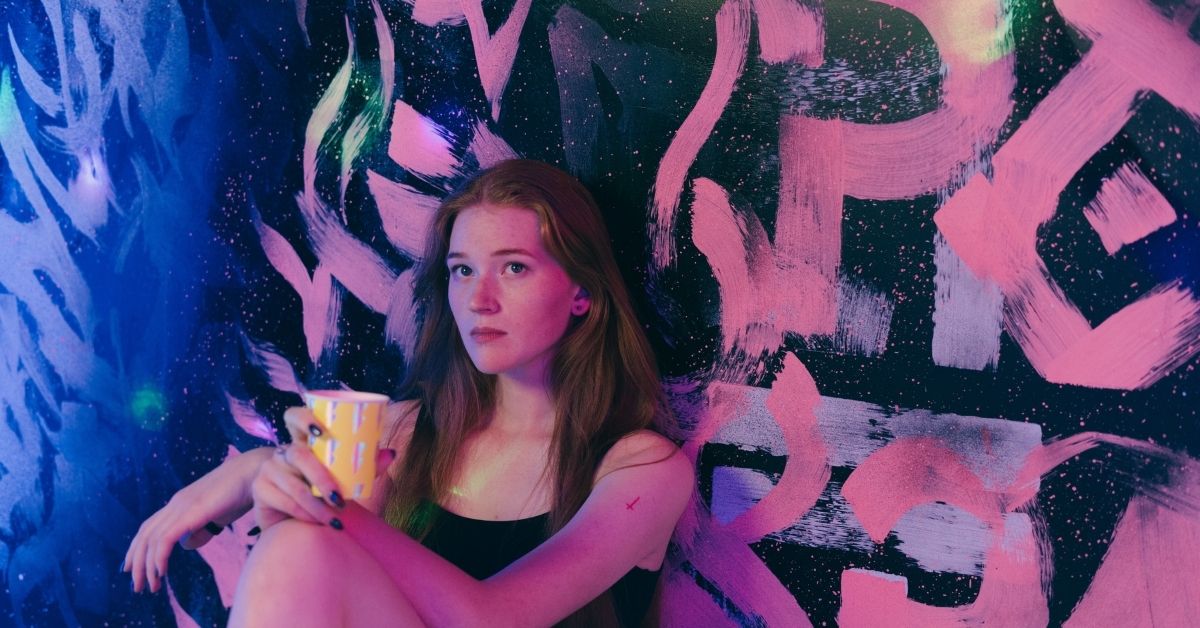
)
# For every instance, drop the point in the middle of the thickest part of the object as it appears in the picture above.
(483, 296)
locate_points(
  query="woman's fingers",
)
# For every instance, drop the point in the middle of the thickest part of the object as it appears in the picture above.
(301, 423)
(315, 473)
(280, 488)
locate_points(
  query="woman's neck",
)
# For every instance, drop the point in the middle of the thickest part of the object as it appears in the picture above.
(523, 406)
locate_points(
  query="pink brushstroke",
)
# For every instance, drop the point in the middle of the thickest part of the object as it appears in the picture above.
(1127, 209)
(721, 553)
(912, 471)
(280, 373)
(790, 31)
(993, 226)
(789, 285)
(435, 12)
(494, 54)
(320, 304)
(746, 309)
(404, 211)
(931, 151)
(1148, 577)
(355, 264)
(182, 619)
(967, 313)
(733, 38)
(793, 402)
(400, 324)
(808, 229)
(488, 147)
(420, 144)
(1009, 595)
(1140, 41)
(249, 419)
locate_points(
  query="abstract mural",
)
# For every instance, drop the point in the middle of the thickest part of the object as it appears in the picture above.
(921, 276)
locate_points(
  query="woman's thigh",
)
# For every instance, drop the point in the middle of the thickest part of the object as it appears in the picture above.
(304, 573)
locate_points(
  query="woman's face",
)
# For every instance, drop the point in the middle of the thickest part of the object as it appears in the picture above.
(511, 300)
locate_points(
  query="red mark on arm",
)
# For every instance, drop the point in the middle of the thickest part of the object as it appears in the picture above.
(629, 506)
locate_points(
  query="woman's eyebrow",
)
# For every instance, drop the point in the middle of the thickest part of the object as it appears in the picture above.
(498, 253)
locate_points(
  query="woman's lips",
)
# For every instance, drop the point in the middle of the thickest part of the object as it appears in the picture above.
(483, 335)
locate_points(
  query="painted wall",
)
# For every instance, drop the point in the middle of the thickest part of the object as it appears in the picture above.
(922, 276)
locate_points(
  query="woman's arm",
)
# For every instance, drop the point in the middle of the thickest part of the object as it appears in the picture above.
(219, 496)
(627, 520)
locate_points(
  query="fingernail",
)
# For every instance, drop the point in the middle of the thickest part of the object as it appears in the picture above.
(255, 531)
(131, 589)
(337, 499)
(314, 429)
(121, 569)
(335, 523)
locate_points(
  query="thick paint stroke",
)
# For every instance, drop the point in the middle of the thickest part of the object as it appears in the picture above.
(488, 147)
(1148, 577)
(279, 372)
(968, 313)
(808, 228)
(790, 31)
(435, 12)
(495, 53)
(993, 225)
(912, 471)
(721, 553)
(733, 39)
(1010, 593)
(919, 156)
(320, 303)
(1127, 209)
(420, 145)
(405, 213)
(1142, 42)
(249, 419)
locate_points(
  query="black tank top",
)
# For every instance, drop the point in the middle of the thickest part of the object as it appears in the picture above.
(482, 548)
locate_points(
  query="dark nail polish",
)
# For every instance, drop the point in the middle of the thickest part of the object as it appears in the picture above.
(131, 589)
(255, 531)
(121, 569)
(335, 523)
(337, 499)
(314, 429)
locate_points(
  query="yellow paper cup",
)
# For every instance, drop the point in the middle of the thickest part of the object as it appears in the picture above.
(350, 426)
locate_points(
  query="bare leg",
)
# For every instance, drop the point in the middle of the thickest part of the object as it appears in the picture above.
(301, 575)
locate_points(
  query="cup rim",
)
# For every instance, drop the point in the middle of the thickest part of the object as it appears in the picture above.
(352, 396)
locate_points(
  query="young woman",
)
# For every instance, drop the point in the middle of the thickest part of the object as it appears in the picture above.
(527, 486)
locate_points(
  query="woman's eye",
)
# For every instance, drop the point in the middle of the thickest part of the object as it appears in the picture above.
(516, 267)
(459, 270)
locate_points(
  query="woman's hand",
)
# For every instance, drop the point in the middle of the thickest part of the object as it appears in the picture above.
(217, 498)
(282, 488)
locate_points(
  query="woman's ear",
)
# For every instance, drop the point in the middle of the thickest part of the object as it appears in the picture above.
(581, 303)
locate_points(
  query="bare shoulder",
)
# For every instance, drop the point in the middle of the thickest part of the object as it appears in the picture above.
(645, 448)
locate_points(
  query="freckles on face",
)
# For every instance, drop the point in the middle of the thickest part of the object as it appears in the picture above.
(510, 299)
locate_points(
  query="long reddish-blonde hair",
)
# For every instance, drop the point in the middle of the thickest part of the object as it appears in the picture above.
(603, 377)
